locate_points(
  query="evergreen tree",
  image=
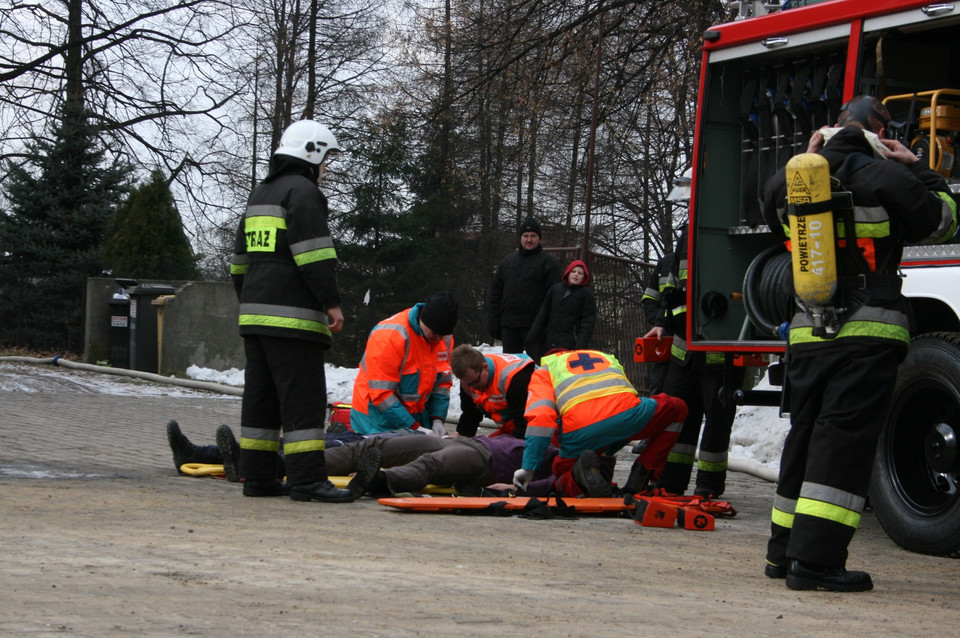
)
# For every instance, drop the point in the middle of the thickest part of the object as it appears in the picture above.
(60, 202)
(145, 239)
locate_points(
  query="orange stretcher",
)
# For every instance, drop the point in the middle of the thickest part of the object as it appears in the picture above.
(512, 504)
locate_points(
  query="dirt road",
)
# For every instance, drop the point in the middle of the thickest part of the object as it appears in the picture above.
(100, 537)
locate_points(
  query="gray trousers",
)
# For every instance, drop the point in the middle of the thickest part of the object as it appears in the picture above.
(397, 449)
(459, 460)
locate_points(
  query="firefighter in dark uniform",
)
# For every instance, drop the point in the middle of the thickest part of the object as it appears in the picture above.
(840, 381)
(284, 273)
(697, 378)
(654, 313)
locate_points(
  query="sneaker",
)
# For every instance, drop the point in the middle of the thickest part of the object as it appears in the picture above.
(183, 450)
(586, 473)
(807, 577)
(229, 453)
(367, 467)
(323, 491)
(273, 487)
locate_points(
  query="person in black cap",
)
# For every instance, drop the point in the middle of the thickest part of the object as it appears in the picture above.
(405, 378)
(519, 288)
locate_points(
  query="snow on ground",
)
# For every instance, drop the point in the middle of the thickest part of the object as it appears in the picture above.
(757, 436)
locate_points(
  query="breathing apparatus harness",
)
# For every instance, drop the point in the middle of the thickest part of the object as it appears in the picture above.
(829, 298)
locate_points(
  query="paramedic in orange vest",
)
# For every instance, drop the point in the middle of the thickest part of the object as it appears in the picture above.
(495, 384)
(584, 398)
(404, 379)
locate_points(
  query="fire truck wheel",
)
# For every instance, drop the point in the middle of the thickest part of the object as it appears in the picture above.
(915, 491)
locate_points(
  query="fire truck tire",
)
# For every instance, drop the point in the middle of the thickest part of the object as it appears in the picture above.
(915, 490)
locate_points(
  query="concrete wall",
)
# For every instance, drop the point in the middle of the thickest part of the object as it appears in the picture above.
(199, 326)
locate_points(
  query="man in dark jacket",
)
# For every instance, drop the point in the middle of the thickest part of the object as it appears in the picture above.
(519, 287)
(284, 271)
(841, 378)
(568, 314)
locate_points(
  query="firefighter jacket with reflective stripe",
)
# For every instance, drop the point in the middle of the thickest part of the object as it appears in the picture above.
(670, 297)
(284, 263)
(671, 293)
(495, 398)
(404, 380)
(650, 302)
(576, 388)
(893, 204)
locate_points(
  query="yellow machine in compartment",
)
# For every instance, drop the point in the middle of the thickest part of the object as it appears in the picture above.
(938, 137)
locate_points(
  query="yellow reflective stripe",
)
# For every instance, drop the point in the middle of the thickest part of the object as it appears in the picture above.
(297, 447)
(597, 386)
(682, 459)
(863, 230)
(781, 518)
(677, 351)
(238, 269)
(258, 222)
(711, 467)
(260, 445)
(948, 221)
(312, 250)
(284, 322)
(828, 511)
(314, 256)
(804, 334)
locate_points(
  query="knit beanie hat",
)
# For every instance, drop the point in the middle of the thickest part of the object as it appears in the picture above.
(530, 225)
(440, 313)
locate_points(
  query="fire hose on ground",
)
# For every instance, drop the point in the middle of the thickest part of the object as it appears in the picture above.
(735, 465)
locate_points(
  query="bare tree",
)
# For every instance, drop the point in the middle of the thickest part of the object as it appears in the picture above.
(180, 85)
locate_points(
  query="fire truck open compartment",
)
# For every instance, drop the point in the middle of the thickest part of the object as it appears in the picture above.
(760, 102)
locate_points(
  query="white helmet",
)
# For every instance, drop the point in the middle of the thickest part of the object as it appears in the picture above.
(308, 140)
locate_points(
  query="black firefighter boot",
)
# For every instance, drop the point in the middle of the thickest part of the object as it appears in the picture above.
(587, 474)
(675, 477)
(710, 484)
(807, 576)
(637, 480)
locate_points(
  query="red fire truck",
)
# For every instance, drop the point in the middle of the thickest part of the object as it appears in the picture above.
(768, 80)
